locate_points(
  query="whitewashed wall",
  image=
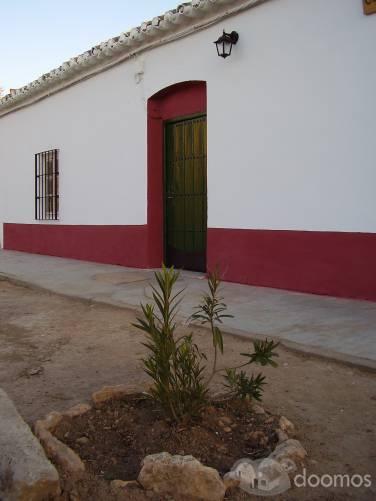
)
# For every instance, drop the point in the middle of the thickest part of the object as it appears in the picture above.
(291, 126)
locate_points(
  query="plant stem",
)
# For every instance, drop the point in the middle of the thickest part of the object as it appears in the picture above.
(214, 369)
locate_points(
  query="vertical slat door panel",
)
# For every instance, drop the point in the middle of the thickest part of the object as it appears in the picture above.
(186, 194)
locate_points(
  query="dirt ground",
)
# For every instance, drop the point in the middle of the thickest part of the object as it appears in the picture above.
(54, 352)
(112, 441)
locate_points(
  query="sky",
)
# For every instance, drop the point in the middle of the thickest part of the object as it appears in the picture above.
(38, 35)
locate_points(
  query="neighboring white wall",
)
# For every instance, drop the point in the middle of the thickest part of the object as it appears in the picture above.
(291, 126)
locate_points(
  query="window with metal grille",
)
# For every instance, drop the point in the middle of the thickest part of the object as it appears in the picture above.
(47, 185)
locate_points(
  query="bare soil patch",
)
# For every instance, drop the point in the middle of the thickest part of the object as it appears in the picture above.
(114, 439)
(78, 347)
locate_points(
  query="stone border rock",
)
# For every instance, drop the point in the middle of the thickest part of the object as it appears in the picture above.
(25, 472)
(162, 473)
(113, 393)
(180, 476)
(57, 451)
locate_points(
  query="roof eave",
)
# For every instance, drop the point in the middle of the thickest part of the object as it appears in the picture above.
(182, 21)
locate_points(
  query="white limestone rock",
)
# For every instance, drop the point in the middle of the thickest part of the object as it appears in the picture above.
(182, 477)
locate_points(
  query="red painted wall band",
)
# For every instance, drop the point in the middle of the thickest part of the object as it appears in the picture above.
(331, 263)
(123, 245)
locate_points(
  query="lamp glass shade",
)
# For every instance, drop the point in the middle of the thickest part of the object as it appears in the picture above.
(225, 42)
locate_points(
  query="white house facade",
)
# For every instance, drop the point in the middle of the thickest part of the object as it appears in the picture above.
(151, 148)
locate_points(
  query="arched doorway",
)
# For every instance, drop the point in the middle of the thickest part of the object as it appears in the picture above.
(177, 194)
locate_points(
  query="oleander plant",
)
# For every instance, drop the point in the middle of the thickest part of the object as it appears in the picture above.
(178, 368)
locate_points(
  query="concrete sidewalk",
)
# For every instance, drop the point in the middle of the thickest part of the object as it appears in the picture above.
(341, 329)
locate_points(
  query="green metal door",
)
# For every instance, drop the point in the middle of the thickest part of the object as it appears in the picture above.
(185, 194)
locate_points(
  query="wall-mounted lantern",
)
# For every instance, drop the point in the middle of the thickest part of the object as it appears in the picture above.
(225, 42)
